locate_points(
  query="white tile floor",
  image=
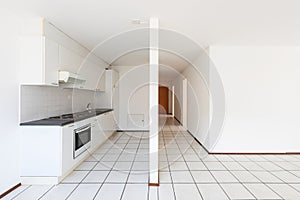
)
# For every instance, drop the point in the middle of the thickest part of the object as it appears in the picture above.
(119, 170)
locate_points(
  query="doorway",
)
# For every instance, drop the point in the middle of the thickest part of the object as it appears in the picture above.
(163, 94)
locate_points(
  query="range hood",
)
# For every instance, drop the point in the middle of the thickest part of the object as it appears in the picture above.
(70, 80)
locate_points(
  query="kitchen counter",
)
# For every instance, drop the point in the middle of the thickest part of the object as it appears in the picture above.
(65, 119)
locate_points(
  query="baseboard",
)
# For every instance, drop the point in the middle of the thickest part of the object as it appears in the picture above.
(242, 153)
(153, 184)
(178, 120)
(121, 130)
(10, 190)
(198, 142)
(254, 153)
(39, 180)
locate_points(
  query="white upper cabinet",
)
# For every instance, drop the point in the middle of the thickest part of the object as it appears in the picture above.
(39, 55)
(51, 62)
(69, 60)
(39, 61)
(110, 98)
(45, 50)
(101, 85)
(91, 73)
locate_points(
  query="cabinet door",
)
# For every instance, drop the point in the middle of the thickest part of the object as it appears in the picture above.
(108, 124)
(31, 59)
(115, 78)
(101, 81)
(113, 122)
(102, 124)
(69, 60)
(115, 96)
(67, 148)
(97, 134)
(91, 73)
(40, 151)
(51, 62)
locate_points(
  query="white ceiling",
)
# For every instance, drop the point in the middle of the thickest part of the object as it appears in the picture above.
(141, 57)
(207, 22)
(170, 64)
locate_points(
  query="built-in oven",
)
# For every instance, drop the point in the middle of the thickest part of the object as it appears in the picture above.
(82, 139)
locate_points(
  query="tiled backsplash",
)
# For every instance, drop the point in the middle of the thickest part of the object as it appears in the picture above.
(39, 102)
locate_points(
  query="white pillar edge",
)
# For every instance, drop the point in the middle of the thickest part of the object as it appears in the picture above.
(153, 103)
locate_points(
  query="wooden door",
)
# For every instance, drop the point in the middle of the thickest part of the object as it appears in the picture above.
(163, 100)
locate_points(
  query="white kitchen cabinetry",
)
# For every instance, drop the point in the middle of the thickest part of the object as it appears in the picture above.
(47, 151)
(67, 148)
(101, 82)
(97, 134)
(69, 60)
(106, 122)
(115, 96)
(41, 148)
(103, 127)
(39, 61)
(112, 88)
(45, 50)
(92, 73)
(110, 98)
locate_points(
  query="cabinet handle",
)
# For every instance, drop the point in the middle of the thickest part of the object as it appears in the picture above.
(54, 83)
(71, 126)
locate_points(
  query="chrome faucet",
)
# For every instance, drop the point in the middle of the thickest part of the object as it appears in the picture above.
(88, 107)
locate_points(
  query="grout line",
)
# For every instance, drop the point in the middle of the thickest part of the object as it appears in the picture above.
(172, 182)
(80, 182)
(46, 192)
(21, 192)
(129, 171)
(114, 165)
(190, 171)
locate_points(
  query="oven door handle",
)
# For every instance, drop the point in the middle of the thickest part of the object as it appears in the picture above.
(83, 129)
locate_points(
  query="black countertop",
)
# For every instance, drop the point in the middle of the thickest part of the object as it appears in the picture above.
(67, 118)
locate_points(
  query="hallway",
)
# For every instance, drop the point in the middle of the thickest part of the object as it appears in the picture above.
(119, 170)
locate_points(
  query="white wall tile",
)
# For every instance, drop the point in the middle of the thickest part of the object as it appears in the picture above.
(38, 102)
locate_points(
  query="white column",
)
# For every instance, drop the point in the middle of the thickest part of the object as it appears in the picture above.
(153, 103)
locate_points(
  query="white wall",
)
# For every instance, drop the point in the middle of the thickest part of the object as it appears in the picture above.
(262, 87)
(197, 104)
(178, 97)
(133, 97)
(9, 101)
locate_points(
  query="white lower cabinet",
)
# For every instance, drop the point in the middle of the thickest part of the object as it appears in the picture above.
(106, 124)
(67, 148)
(97, 135)
(102, 128)
(41, 151)
(47, 151)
